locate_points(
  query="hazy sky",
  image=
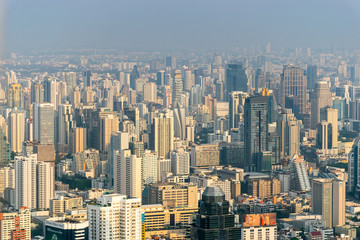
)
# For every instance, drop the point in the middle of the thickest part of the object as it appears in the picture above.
(178, 24)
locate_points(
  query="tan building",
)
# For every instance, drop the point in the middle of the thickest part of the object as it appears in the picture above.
(320, 97)
(15, 96)
(331, 116)
(162, 134)
(59, 206)
(205, 155)
(264, 187)
(172, 194)
(16, 132)
(77, 140)
(45, 153)
(15, 225)
(7, 179)
(328, 200)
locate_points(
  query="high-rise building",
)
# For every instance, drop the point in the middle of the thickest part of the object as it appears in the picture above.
(289, 131)
(133, 77)
(214, 220)
(311, 74)
(180, 162)
(50, 91)
(320, 98)
(236, 108)
(16, 130)
(299, 178)
(264, 187)
(205, 155)
(189, 80)
(353, 183)
(7, 179)
(160, 78)
(88, 79)
(330, 115)
(115, 216)
(258, 113)
(75, 97)
(236, 79)
(34, 183)
(170, 62)
(70, 79)
(293, 83)
(342, 69)
(328, 200)
(43, 123)
(177, 88)
(127, 174)
(37, 92)
(77, 140)
(108, 124)
(149, 92)
(15, 97)
(66, 228)
(149, 167)
(259, 226)
(16, 225)
(65, 123)
(355, 74)
(179, 122)
(162, 134)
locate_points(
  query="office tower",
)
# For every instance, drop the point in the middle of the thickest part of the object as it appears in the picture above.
(44, 184)
(127, 173)
(149, 167)
(37, 92)
(65, 123)
(87, 79)
(259, 226)
(15, 97)
(179, 122)
(149, 92)
(311, 75)
(236, 79)
(355, 74)
(162, 134)
(119, 141)
(70, 79)
(160, 78)
(328, 200)
(330, 115)
(25, 181)
(66, 228)
(75, 97)
(170, 62)
(299, 178)
(342, 69)
(188, 80)
(16, 130)
(87, 161)
(260, 80)
(16, 225)
(177, 88)
(289, 131)
(264, 187)
(236, 108)
(205, 155)
(293, 83)
(353, 163)
(133, 77)
(220, 91)
(210, 103)
(77, 140)
(180, 162)
(171, 194)
(320, 98)
(108, 124)
(214, 220)
(11, 77)
(258, 113)
(50, 91)
(43, 123)
(111, 212)
(45, 153)
(324, 136)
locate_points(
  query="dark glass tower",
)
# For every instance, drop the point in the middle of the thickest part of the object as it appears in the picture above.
(236, 79)
(214, 221)
(4, 149)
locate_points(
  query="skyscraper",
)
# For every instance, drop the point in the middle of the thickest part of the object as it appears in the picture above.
(16, 225)
(87, 80)
(149, 167)
(236, 79)
(77, 140)
(320, 97)
(65, 123)
(311, 74)
(15, 97)
(134, 76)
(179, 122)
(236, 108)
(214, 220)
(149, 92)
(162, 134)
(328, 200)
(293, 83)
(170, 62)
(16, 130)
(177, 88)
(257, 116)
(180, 162)
(355, 74)
(4, 148)
(188, 80)
(43, 123)
(50, 91)
(112, 211)
(330, 115)
(37, 92)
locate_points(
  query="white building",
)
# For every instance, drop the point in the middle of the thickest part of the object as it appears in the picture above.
(263, 232)
(180, 162)
(149, 167)
(16, 224)
(115, 217)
